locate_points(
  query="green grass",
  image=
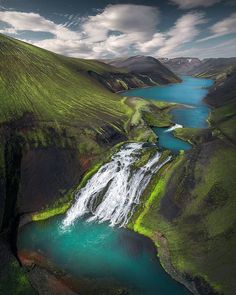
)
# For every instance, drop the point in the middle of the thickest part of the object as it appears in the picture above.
(56, 92)
(208, 249)
(56, 209)
(223, 113)
(200, 239)
(63, 107)
(54, 88)
(151, 197)
(153, 113)
(228, 128)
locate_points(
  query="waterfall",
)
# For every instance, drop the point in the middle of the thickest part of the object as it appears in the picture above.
(115, 189)
(176, 126)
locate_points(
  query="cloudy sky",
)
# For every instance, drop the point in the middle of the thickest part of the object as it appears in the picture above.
(107, 29)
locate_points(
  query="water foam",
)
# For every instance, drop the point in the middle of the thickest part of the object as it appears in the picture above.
(115, 190)
(176, 126)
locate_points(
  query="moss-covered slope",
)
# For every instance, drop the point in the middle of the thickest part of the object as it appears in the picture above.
(54, 121)
(53, 88)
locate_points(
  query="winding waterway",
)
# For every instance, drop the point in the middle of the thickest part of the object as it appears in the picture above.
(190, 93)
(87, 243)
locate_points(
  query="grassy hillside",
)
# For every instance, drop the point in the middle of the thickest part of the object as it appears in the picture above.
(224, 89)
(54, 88)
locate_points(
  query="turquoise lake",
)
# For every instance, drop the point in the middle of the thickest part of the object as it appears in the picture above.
(96, 251)
(190, 92)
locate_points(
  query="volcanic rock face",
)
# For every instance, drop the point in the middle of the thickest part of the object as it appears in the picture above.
(13, 279)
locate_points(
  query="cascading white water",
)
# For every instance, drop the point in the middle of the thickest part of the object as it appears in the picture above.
(176, 126)
(114, 191)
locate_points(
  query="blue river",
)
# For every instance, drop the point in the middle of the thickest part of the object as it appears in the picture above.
(189, 92)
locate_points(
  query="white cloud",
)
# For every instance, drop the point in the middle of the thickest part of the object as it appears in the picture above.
(138, 34)
(118, 30)
(27, 21)
(22, 21)
(188, 4)
(158, 40)
(76, 48)
(224, 49)
(138, 20)
(184, 31)
(115, 30)
(224, 27)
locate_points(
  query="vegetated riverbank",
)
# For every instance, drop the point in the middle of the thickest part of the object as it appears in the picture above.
(189, 209)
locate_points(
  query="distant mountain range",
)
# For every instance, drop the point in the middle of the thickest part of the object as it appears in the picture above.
(181, 65)
(166, 70)
(212, 67)
(145, 66)
(209, 67)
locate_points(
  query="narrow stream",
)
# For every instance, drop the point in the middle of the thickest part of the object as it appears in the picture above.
(87, 242)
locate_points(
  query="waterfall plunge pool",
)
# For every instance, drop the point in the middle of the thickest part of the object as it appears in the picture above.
(110, 258)
(89, 251)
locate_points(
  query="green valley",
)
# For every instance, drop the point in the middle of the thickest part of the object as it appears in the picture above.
(63, 123)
